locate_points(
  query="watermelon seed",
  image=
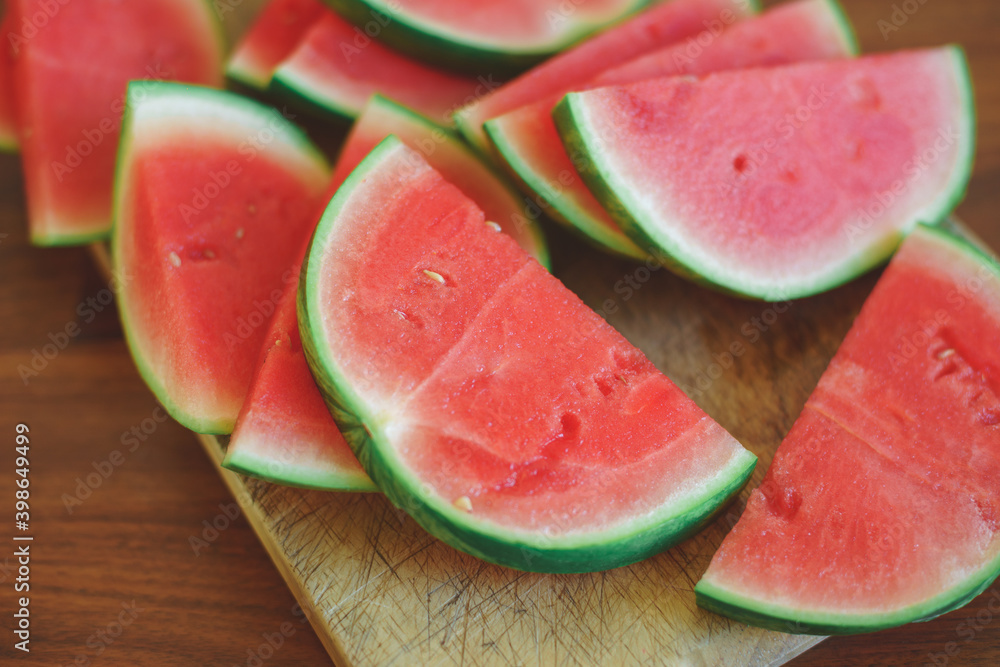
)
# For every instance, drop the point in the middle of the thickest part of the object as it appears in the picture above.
(494, 225)
(239, 233)
(252, 208)
(209, 254)
(463, 503)
(946, 354)
(433, 275)
(400, 313)
(175, 259)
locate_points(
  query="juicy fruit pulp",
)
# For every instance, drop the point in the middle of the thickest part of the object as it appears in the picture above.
(70, 81)
(446, 152)
(882, 505)
(333, 73)
(785, 197)
(527, 141)
(8, 113)
(660, 25)
(274, 35)
(498, 36)
(284, 432)
(484, 398)
(214, 197)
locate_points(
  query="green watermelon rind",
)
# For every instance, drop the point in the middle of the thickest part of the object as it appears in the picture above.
(621, 546)
(303, 477)
(540, 250)
(787, 619)
(455, 51)
(294, 138)
(570, 117)
(565, 209)
(290, 85)
(560, 209)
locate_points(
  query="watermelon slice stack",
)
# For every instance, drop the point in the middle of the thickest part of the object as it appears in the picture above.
(423, 349)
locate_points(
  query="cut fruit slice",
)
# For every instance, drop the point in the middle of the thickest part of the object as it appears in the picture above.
(484, 398)
(663, 24)
(882, 505)
(285, 433)
(337, 68)
(449, 155)
(275, 33)
(527, 140)
(214, 197)
(8, 112)
(791, 192)
(497, 36)
(70, 80)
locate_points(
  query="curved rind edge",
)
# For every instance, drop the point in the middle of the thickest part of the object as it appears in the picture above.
(298, 476)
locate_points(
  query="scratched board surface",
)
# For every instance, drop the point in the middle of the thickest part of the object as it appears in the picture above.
(383, 592)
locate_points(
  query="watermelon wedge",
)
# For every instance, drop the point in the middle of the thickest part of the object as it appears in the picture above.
(284, 433)
(448, 154)
(214, 197)
(484, 398)
(663, 24)
(790, 193)
(275, 33)
(70, 73)
(882, 505)
(497, 36)
(527, 141)
(8, 111)
(336, 68)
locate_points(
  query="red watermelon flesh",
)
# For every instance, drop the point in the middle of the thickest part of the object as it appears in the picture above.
(285, 432)
(214, 198)
(449, 155)
(663, 24)
(527, 140)
(8, 111)
(882, 506)
(273, 36)
(336, 68)
(70, 75)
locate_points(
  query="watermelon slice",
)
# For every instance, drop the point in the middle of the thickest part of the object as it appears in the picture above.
(284, 433)
(70, 74)
(336, 68)
(484, 398)
(882, 505)
(527, 141)
(8, 111)
(498, 36)
(787, 194)
(449, 155)
(214, 196)
(275, 33)
(663, 24)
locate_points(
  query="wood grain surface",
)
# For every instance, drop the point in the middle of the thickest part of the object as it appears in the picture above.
(127, 567)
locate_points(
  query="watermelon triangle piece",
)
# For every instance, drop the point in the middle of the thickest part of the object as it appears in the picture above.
(528, 143)
(285, 433)
(214, 197)
(486, 399)
(789, 193)
(8, 110)
(662, 24)
(337, 67)
(449, 155)
(70, 76)
(275, 33)
(497, 36)
(882, 506)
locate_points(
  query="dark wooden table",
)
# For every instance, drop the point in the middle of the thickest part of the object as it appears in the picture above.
(114, 576)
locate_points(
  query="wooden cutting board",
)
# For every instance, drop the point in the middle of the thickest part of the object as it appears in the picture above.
(380, 591)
